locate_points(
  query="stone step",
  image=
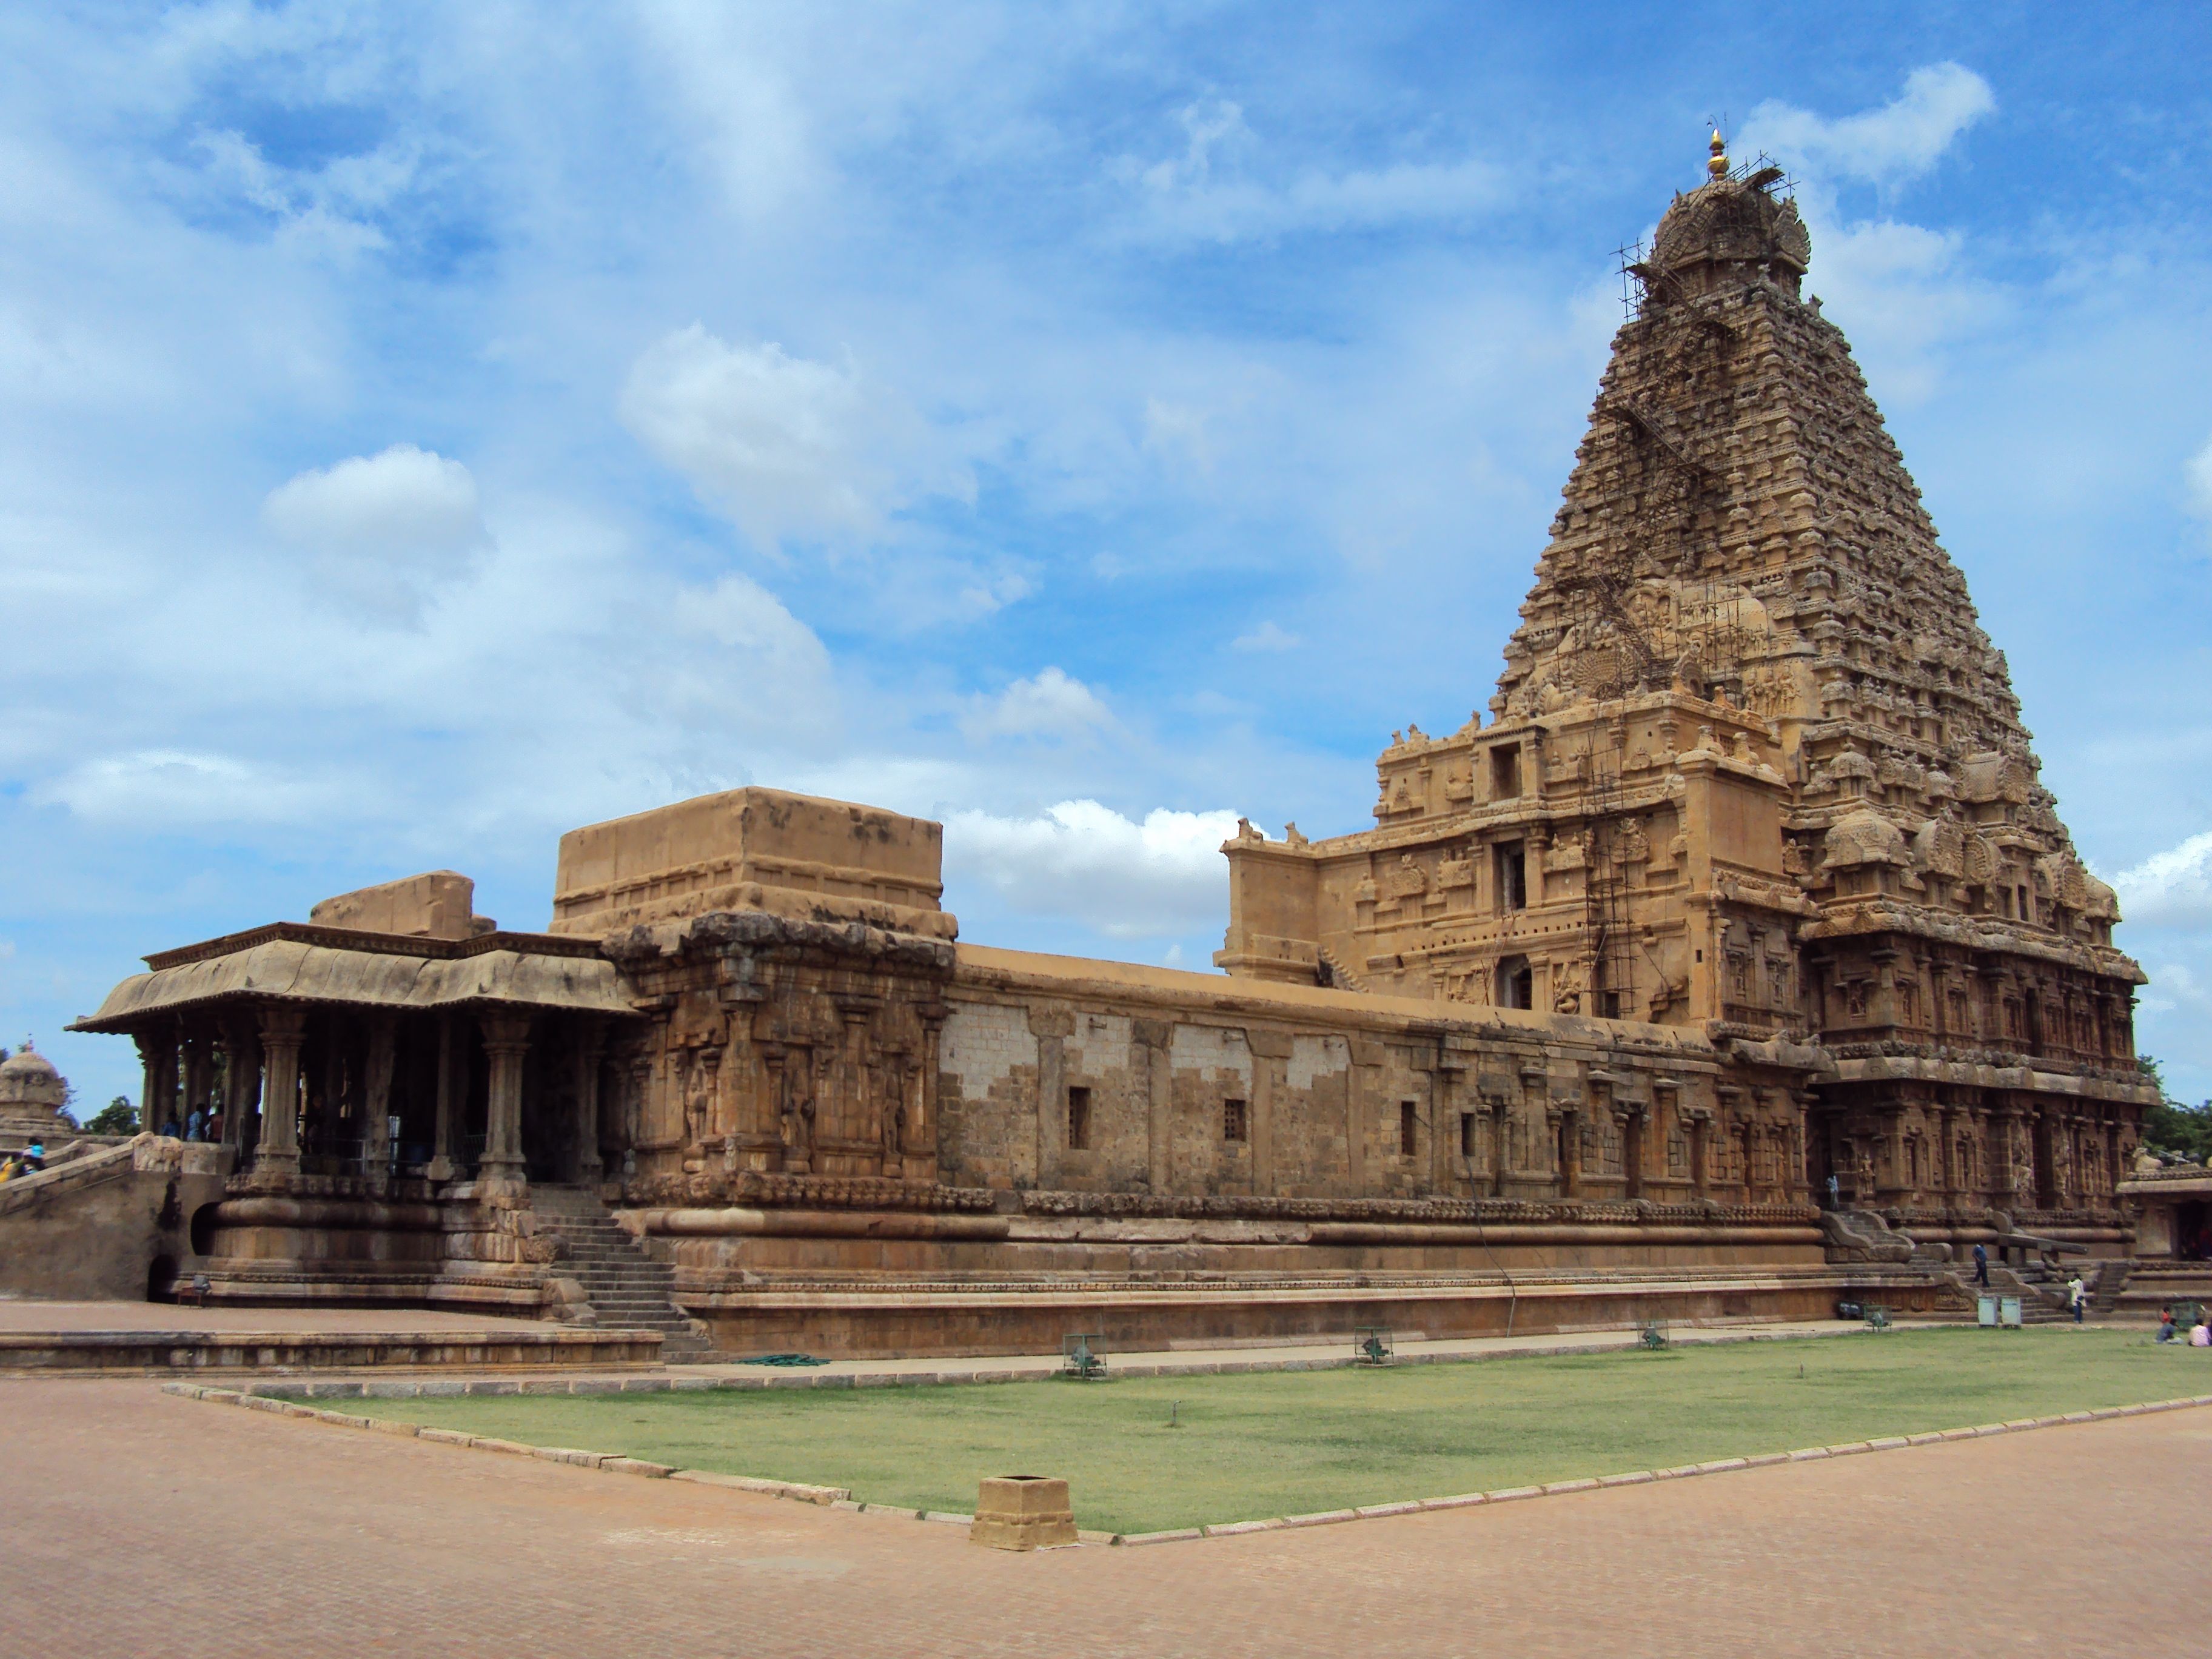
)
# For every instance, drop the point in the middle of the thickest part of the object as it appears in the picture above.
(626, 1287)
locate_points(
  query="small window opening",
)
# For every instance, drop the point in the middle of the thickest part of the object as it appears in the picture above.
(1512, 876)
(1466, 1134)
(1517, 983)
(1505, 772)
(1078, 1120)
(1233, 1125)
(1408, 1127)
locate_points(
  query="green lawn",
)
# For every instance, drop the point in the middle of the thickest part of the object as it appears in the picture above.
(1285, 1442)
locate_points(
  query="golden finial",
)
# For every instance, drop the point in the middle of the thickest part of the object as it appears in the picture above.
(1719, 165)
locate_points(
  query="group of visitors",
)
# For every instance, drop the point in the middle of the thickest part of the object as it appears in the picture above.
(29, 1161)
(2199, 1335)
(2077, 1288)
(201, 1123)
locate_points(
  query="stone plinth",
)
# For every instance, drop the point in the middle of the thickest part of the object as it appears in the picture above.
(437, 904)
(753, 849)
(1021, 1512)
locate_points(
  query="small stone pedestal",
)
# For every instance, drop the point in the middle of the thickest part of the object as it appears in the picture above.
(1021, 1512)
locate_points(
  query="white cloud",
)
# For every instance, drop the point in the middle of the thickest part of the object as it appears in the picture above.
(399, 501)
(2200, 482)
(1267, 636)
(163, 790)
(1901, 140)
(791, 448)
(2172, 889)
(1905, 292)
(1050, 704)
(1176, 432)
(381, 529)
(1209, 192)
(1084, 862)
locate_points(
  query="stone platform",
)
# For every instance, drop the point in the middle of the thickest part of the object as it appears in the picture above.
(91, 1337)
(924, 1319)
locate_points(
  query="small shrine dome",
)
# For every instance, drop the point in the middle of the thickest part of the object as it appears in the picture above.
(28, 1078)
(2099, 900)
(1728, 229)
(1863, 837)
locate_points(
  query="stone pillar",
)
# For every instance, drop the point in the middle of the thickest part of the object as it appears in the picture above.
(921, 1127)
(452, 1097)
(590, 1048)
(1700, 1129)
(376, 1098)
(506, 1040)
(283, 1029)
(1501, 1142)
(1151, 1039)
(1270, 1051)
(1535, 1101)
(1634, 1123)
(199, 1072)
(333, 1090)
(241, 1094)
(775, 1060)
(1446, 1098)
(157, 1098)
(1052, 1027)
(1362, 1088)
(1566, 1121)
(844, 1118)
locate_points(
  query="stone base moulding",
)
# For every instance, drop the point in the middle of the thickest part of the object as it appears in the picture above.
(840, 1497)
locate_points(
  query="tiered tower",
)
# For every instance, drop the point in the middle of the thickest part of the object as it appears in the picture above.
(1752, 764)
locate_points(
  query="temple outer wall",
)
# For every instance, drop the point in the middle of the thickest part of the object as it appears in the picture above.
(1165, 1157)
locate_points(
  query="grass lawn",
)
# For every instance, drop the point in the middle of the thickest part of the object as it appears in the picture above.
(1284, 1442)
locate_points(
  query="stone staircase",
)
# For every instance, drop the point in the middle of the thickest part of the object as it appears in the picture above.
(627, 1288)
(2105, 1293)
(1336, 974)
(2041, 1303)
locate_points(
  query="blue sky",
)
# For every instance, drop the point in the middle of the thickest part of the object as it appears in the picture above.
(424, 429)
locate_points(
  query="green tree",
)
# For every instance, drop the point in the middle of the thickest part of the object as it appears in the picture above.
(2171, 1126)
(118, 1117)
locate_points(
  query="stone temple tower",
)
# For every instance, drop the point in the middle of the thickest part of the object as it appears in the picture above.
(1753, 766)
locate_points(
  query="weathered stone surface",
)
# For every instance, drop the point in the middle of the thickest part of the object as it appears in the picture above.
(1021, 1512)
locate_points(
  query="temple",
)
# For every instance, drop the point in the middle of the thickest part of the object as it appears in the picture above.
(1754, 768)
(1739, 965)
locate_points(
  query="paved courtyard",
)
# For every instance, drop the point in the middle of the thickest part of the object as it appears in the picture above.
(137, 1522)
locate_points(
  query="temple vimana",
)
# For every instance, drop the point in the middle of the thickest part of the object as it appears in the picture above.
(1736, 964)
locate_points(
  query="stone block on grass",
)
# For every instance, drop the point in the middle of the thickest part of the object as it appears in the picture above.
(1021, 1512)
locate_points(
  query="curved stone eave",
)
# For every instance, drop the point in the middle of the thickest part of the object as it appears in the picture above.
(292, 971)
(1866, 918)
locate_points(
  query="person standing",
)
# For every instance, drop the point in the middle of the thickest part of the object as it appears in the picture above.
(2075, 1297)
(1982, 1265)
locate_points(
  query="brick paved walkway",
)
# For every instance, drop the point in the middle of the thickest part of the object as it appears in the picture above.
(139, 1523)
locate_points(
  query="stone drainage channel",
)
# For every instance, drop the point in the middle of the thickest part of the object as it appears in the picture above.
(839, 1497)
